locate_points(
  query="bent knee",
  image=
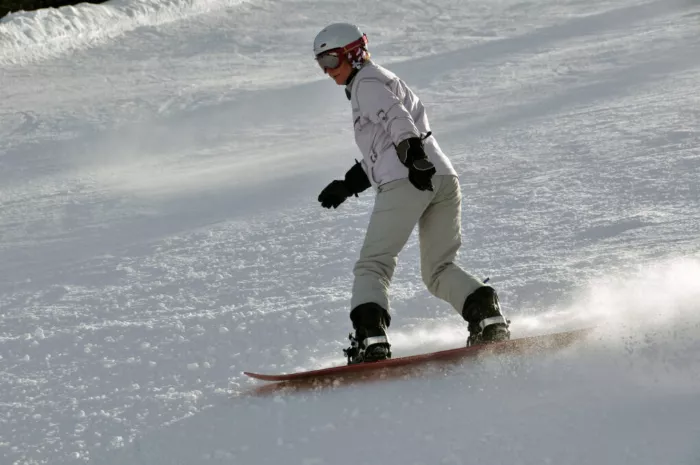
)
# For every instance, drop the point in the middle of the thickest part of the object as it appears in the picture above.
(381, 266)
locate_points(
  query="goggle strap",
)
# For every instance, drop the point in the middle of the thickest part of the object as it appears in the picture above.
(362, 41)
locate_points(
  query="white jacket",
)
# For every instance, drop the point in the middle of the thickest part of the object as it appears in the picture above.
(385, 111)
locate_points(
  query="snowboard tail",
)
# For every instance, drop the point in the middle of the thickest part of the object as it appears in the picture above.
(546, 342)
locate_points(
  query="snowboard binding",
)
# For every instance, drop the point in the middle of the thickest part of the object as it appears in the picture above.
(371, 349)
(370, 342)
(483, 313)
(495, 332)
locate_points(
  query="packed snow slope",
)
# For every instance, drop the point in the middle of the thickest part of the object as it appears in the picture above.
(159, 233)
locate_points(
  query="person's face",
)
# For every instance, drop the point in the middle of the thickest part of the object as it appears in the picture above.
(341, 73)
(335, 66)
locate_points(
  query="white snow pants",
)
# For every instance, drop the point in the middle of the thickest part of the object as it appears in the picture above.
(397, 209)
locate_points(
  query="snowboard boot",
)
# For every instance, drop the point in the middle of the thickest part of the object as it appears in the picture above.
(370, 342)
(483, 313)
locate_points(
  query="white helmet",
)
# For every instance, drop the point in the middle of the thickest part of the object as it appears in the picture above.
(339, 36)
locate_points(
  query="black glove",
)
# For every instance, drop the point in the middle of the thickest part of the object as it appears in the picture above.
(420, 169)
(337, 191)
(334, 194)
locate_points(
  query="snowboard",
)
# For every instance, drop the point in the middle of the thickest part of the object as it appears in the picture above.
(547, 342)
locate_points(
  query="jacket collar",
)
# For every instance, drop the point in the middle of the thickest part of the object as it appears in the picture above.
(348, 83)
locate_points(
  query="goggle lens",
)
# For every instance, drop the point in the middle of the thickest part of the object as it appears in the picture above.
(328, 60)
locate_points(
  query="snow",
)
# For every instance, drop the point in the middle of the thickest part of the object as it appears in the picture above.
(159, 167)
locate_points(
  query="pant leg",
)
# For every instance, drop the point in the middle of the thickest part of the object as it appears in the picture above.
(397, 209)
(440, 236)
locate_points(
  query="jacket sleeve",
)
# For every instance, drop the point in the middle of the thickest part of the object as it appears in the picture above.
(382, 106)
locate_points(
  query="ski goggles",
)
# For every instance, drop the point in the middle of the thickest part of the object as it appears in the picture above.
(329, 60)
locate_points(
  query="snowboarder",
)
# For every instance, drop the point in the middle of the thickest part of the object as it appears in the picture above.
(415, 183)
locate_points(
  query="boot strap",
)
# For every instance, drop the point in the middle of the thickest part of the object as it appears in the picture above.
(492, 321)
(370, 341)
